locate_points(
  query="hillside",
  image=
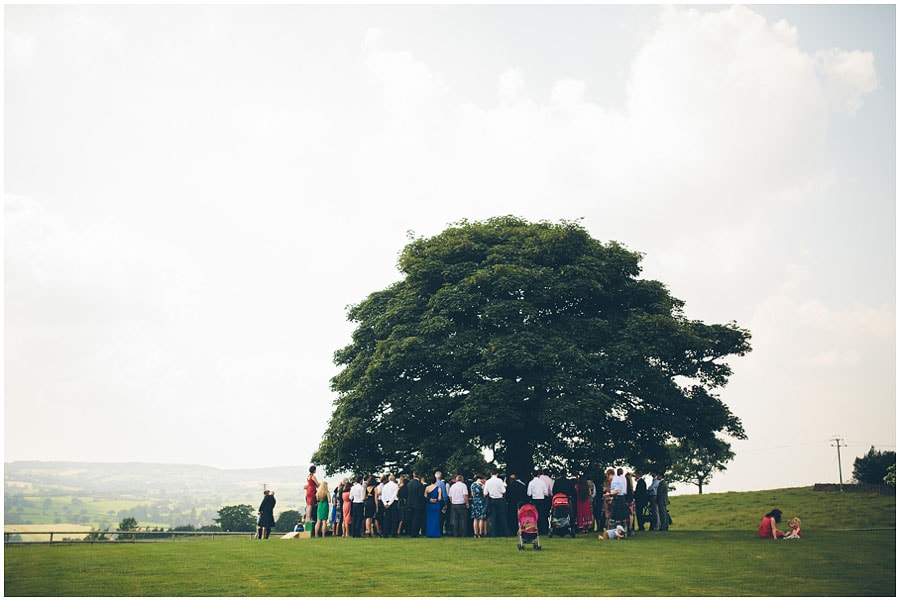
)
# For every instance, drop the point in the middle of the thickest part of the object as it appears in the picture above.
(38, 492)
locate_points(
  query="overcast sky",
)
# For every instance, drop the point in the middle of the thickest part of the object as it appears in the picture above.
(194, 194)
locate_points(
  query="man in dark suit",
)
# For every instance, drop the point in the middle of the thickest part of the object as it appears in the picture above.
(416, 503)
(662, 501)
(516, 494)
(640, 499)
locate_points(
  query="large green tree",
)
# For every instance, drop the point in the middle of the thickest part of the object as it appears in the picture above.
(533, 341)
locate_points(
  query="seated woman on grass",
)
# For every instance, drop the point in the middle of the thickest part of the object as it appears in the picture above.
(768, 527)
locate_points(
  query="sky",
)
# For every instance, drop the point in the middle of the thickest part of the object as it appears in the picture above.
(194, 195)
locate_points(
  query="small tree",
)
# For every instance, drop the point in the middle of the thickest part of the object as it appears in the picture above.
(287, 520)
(695, 463)
(128, 524)
(872, 467)
(891, 478)
(236, 518)
(95, 534)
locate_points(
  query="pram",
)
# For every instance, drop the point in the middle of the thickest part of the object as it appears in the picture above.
(528, 529)
(561, 516)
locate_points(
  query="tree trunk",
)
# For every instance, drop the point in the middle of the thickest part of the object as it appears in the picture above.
(518, 457)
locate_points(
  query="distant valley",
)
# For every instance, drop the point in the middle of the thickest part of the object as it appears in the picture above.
(157, 495)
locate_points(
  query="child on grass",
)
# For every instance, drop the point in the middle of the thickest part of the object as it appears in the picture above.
(795, 529)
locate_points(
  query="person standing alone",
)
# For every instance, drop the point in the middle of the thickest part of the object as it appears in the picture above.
(266, 520)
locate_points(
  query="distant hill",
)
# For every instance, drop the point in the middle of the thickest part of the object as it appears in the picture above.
(47, 492)
(145, 479)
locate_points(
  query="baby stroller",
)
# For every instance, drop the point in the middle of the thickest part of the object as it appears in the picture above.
(528, 530)
(561, 515)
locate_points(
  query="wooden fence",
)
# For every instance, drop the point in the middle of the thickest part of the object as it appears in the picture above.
(116, 536)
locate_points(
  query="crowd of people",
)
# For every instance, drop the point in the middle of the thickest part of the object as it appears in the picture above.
(431, 506)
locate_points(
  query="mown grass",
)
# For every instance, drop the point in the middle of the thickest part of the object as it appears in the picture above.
(676, 563)
(686, 561)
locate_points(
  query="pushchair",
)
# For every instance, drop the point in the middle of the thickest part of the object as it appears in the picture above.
(528, 529)
(561, 516)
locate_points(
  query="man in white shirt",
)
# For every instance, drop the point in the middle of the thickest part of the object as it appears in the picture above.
(389, 498)
(548, 481)
(540, 498)
(357, 497)
(618, 490)
(459, 506)
(494, 489)
(619, 485)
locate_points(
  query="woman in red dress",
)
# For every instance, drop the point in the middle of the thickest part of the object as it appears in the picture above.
(768, 527)
(584, 514)
(312, 485)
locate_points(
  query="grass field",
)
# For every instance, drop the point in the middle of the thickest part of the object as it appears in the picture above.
(699, 557)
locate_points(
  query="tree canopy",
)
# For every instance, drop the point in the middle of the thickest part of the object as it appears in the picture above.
(695, 464)
(532, 340)
(872, 467)
(236, 518)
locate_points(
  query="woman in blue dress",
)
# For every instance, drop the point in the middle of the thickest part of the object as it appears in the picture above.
(479, 508)
(433, 509)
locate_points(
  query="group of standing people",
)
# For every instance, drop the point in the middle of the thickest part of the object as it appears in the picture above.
(432, 507)
(651, 503)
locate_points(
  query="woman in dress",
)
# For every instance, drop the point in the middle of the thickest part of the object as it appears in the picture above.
(312, 485)
(402, 505)
(266, 515)
(479, 509)
(768, 527)
(345, 496)
(370, 503)
(433, 509)
(584, 515)
(322, 509)
(336, 519)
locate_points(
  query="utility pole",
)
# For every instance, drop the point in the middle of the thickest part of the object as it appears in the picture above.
(838, 443)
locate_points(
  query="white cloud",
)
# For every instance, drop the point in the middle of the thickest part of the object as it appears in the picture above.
(407, 85)
(849, 76)
(20, 46)
(511, 86)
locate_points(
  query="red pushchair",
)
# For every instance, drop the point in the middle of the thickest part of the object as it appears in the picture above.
(528, 527)
(561, 520)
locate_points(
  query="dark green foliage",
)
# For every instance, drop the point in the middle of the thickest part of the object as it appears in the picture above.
(128, 523)
(695, 464)
(236, 518)
(532, 340)
(872, 467)
(287, 520)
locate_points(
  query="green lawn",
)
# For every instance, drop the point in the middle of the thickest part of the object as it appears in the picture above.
(849, 549)
(691, 563)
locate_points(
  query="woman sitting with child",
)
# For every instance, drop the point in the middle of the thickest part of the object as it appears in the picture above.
(768, 527)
